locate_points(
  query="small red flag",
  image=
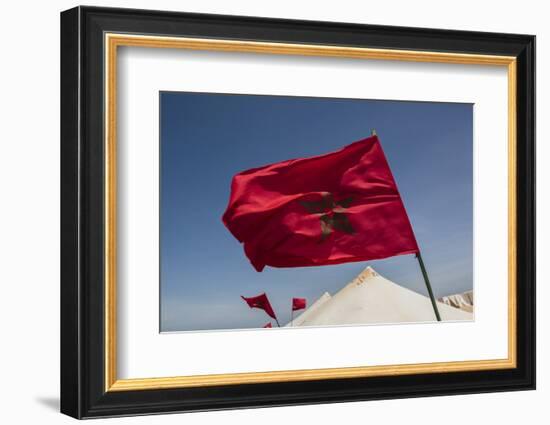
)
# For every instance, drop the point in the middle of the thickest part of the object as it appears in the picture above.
(335, 208)
(268, 325)
(298, 304)
(262, 302)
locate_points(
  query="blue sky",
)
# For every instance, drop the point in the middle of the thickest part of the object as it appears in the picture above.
(208, 138)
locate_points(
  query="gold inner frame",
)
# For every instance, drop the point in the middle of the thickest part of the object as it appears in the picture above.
(113, 41)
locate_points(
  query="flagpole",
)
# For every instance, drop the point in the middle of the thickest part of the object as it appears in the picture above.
(277, 322)
(424, 273)
(291, 316)
(427, 281)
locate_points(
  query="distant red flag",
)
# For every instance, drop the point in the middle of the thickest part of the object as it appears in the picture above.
(268, 325)
(335, 208)
(262, 302)
(298, 304)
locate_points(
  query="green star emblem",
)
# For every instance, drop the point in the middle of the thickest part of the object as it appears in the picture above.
(331, 214)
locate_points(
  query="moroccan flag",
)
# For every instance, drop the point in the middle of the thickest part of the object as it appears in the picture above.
(268, 325)
(262, 303)
(335, 208)
(298, 304)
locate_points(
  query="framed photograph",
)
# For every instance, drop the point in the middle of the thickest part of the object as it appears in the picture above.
(261, 212)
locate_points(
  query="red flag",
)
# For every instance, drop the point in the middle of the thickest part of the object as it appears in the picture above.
(335, 208)
(268, 325)
(262, 303)
(298, 304)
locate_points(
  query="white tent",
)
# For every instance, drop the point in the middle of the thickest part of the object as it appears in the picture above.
(371, 298)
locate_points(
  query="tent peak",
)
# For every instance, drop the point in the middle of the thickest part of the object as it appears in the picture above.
(366, 274)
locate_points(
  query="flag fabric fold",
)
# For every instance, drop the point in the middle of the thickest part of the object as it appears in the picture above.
(340, 207)
(262, 302)
(298, 304)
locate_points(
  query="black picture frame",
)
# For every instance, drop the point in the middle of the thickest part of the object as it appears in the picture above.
(83, 392)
